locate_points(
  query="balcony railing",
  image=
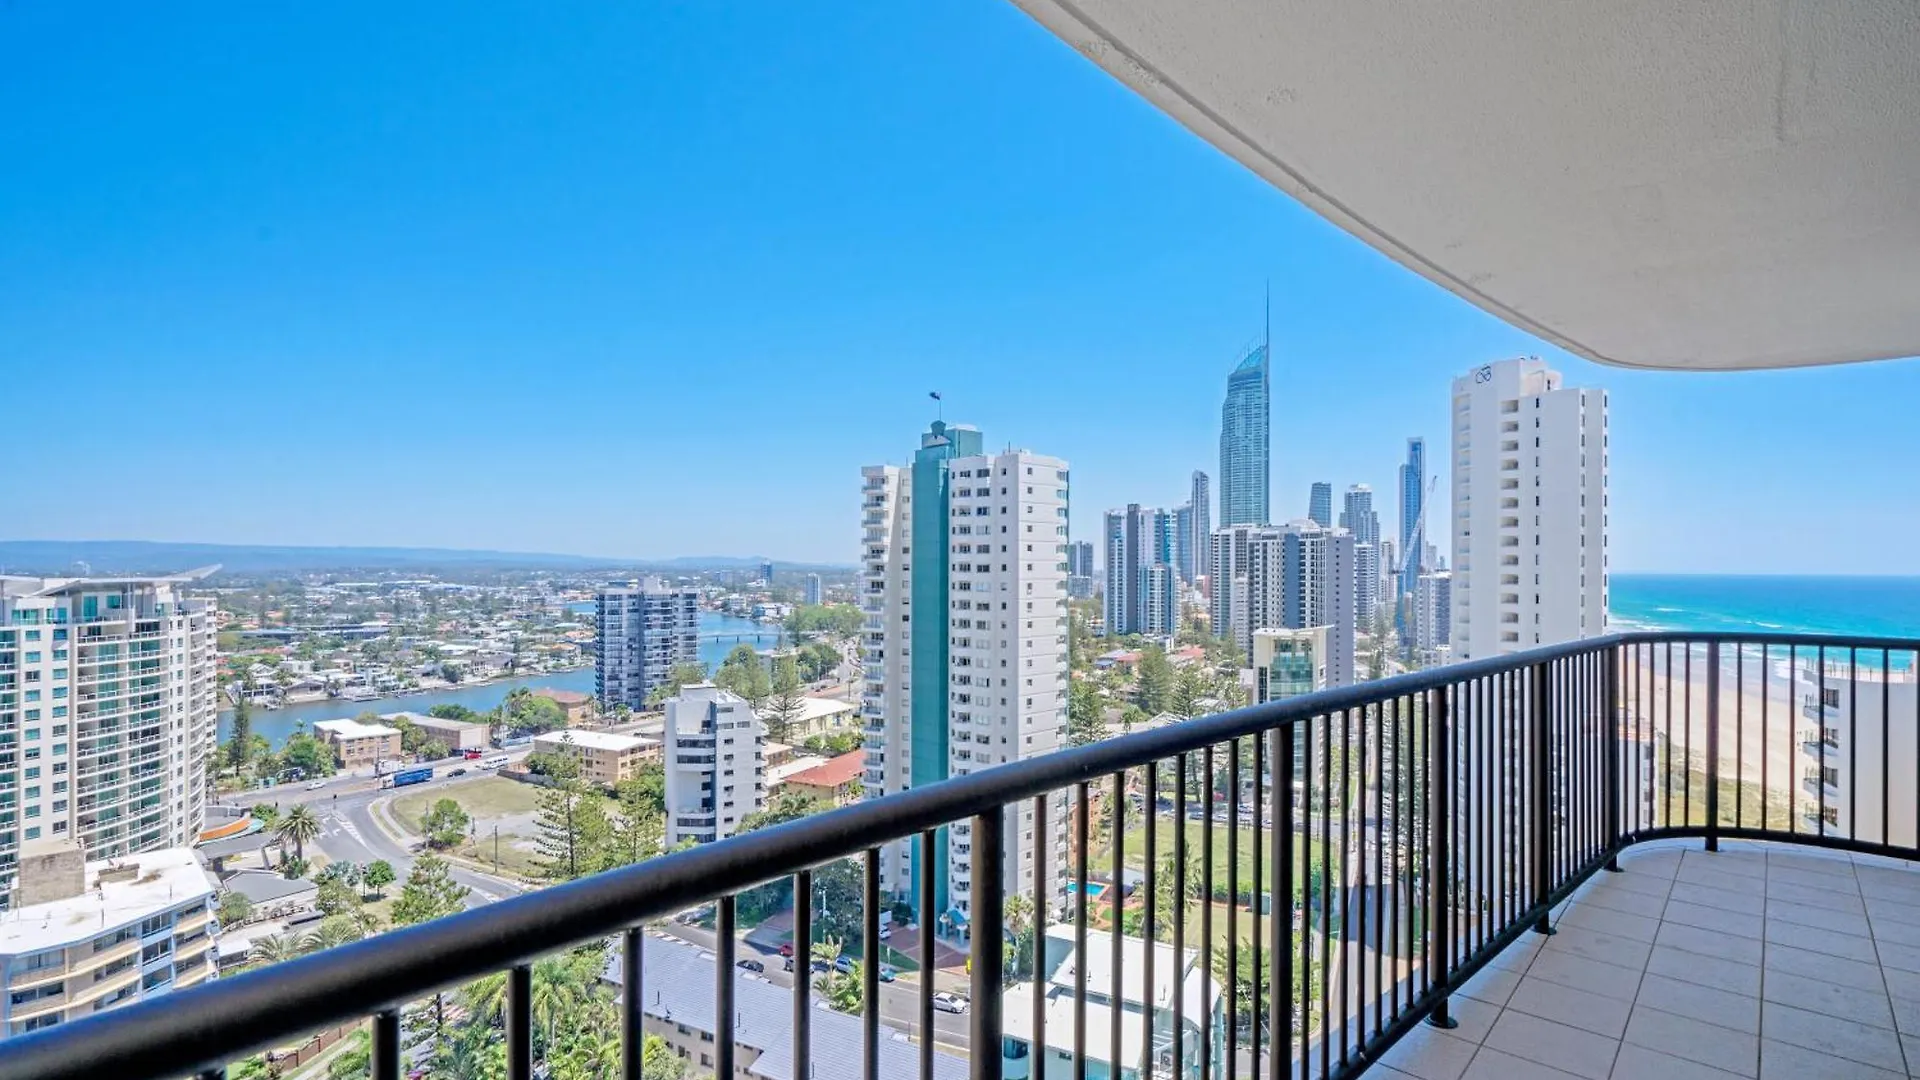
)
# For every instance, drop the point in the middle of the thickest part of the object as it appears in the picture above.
(1395, 837)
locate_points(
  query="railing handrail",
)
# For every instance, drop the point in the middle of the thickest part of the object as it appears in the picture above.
(227, 1019)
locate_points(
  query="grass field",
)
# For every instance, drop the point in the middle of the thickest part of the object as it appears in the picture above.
(485, 799)
(1165, 831)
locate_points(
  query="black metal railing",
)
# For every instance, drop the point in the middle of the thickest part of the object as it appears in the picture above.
(1379, 844)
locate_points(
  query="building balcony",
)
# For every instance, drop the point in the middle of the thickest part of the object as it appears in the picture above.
(1577, 858)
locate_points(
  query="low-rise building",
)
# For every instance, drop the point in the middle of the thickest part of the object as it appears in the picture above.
(355, 743)
(679, 1009)
(576, 707)
(835, 780)
(458, 735)
(602, 757)
(88, 936)
(1201, 1003)
(817, 716)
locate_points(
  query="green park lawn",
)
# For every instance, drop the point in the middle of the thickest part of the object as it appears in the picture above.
(485, 799)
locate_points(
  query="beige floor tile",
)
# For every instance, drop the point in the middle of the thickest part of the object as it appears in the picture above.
(1707, 1044)
(1570, 1049)
(1856, 1042)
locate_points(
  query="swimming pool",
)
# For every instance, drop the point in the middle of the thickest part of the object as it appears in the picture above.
(1095, 889)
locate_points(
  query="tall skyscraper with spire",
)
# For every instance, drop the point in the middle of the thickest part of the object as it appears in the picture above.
(1244, 447)
(1413, 490)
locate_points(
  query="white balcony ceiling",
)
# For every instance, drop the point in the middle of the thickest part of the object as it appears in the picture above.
(1730, 184)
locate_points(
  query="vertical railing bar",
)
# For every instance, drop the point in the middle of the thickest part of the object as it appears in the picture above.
(1667, 819)
(1713, 743)
(1328, 857)
(1400, 949)
(1261, 819)
(1686, 719)
(988, 914)
(386, 1045)
(1610, 732)
(520, 1023)
(1542, 735)
(724, 945)
(1042, 907)
(873, 951)
(928, 869)
(1206, 900)
(1381, 1019)
(1083, 831)
(1853, 743)
(1481, 810)
(1150, 929)
(1233, 907)
(802, 942)
(1178, 912)
(633, 1003)
(1255, 885)
(1820, 780)
(1117, 822)
(1886, 745)
(1439, 882)
(1739, 736)
(1280, 994)
(1793, 784)
(1369, 886)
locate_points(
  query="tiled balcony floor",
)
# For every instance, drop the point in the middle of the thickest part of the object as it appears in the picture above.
(1762, 960)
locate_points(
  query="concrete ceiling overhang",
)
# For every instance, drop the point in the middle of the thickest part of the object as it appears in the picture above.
(1714, 185)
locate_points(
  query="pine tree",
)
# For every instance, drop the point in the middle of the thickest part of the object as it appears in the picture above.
(430, 892)
(788, 703)
(574, 832)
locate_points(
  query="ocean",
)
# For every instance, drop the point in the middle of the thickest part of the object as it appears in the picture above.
(1863, 606)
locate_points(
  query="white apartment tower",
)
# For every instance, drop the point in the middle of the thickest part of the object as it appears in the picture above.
(1529, 509)
(1294, 576)
(641, 630)
(964, 588)
(715, 764)
(108, 702)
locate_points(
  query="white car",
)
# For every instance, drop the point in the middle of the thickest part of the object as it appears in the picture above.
(949, 1003)
(316, 785)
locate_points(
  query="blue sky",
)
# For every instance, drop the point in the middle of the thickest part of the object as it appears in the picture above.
(658, 279)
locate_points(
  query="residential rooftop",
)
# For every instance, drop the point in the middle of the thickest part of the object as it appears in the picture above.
(353, 729)
(117, 892)
(595, 740)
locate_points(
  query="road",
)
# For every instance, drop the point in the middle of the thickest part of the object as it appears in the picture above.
(349, 834)
(899, 1001)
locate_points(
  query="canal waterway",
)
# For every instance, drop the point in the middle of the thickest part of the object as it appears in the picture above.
(719, 634)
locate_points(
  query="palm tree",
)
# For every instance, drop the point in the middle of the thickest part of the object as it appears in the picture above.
(274, 949)
(486, 997)
(299, 826)
(332, 932)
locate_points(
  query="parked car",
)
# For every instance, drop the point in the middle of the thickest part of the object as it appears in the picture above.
(458, 772)
(786, 948)
(787, 964)
(886, 931)
(316, 785)
(843, 964)
(751, 964)
(819, 964)
(887, 973)
(949, 1003)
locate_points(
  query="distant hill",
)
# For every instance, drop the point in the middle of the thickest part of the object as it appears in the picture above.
(53, 557)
